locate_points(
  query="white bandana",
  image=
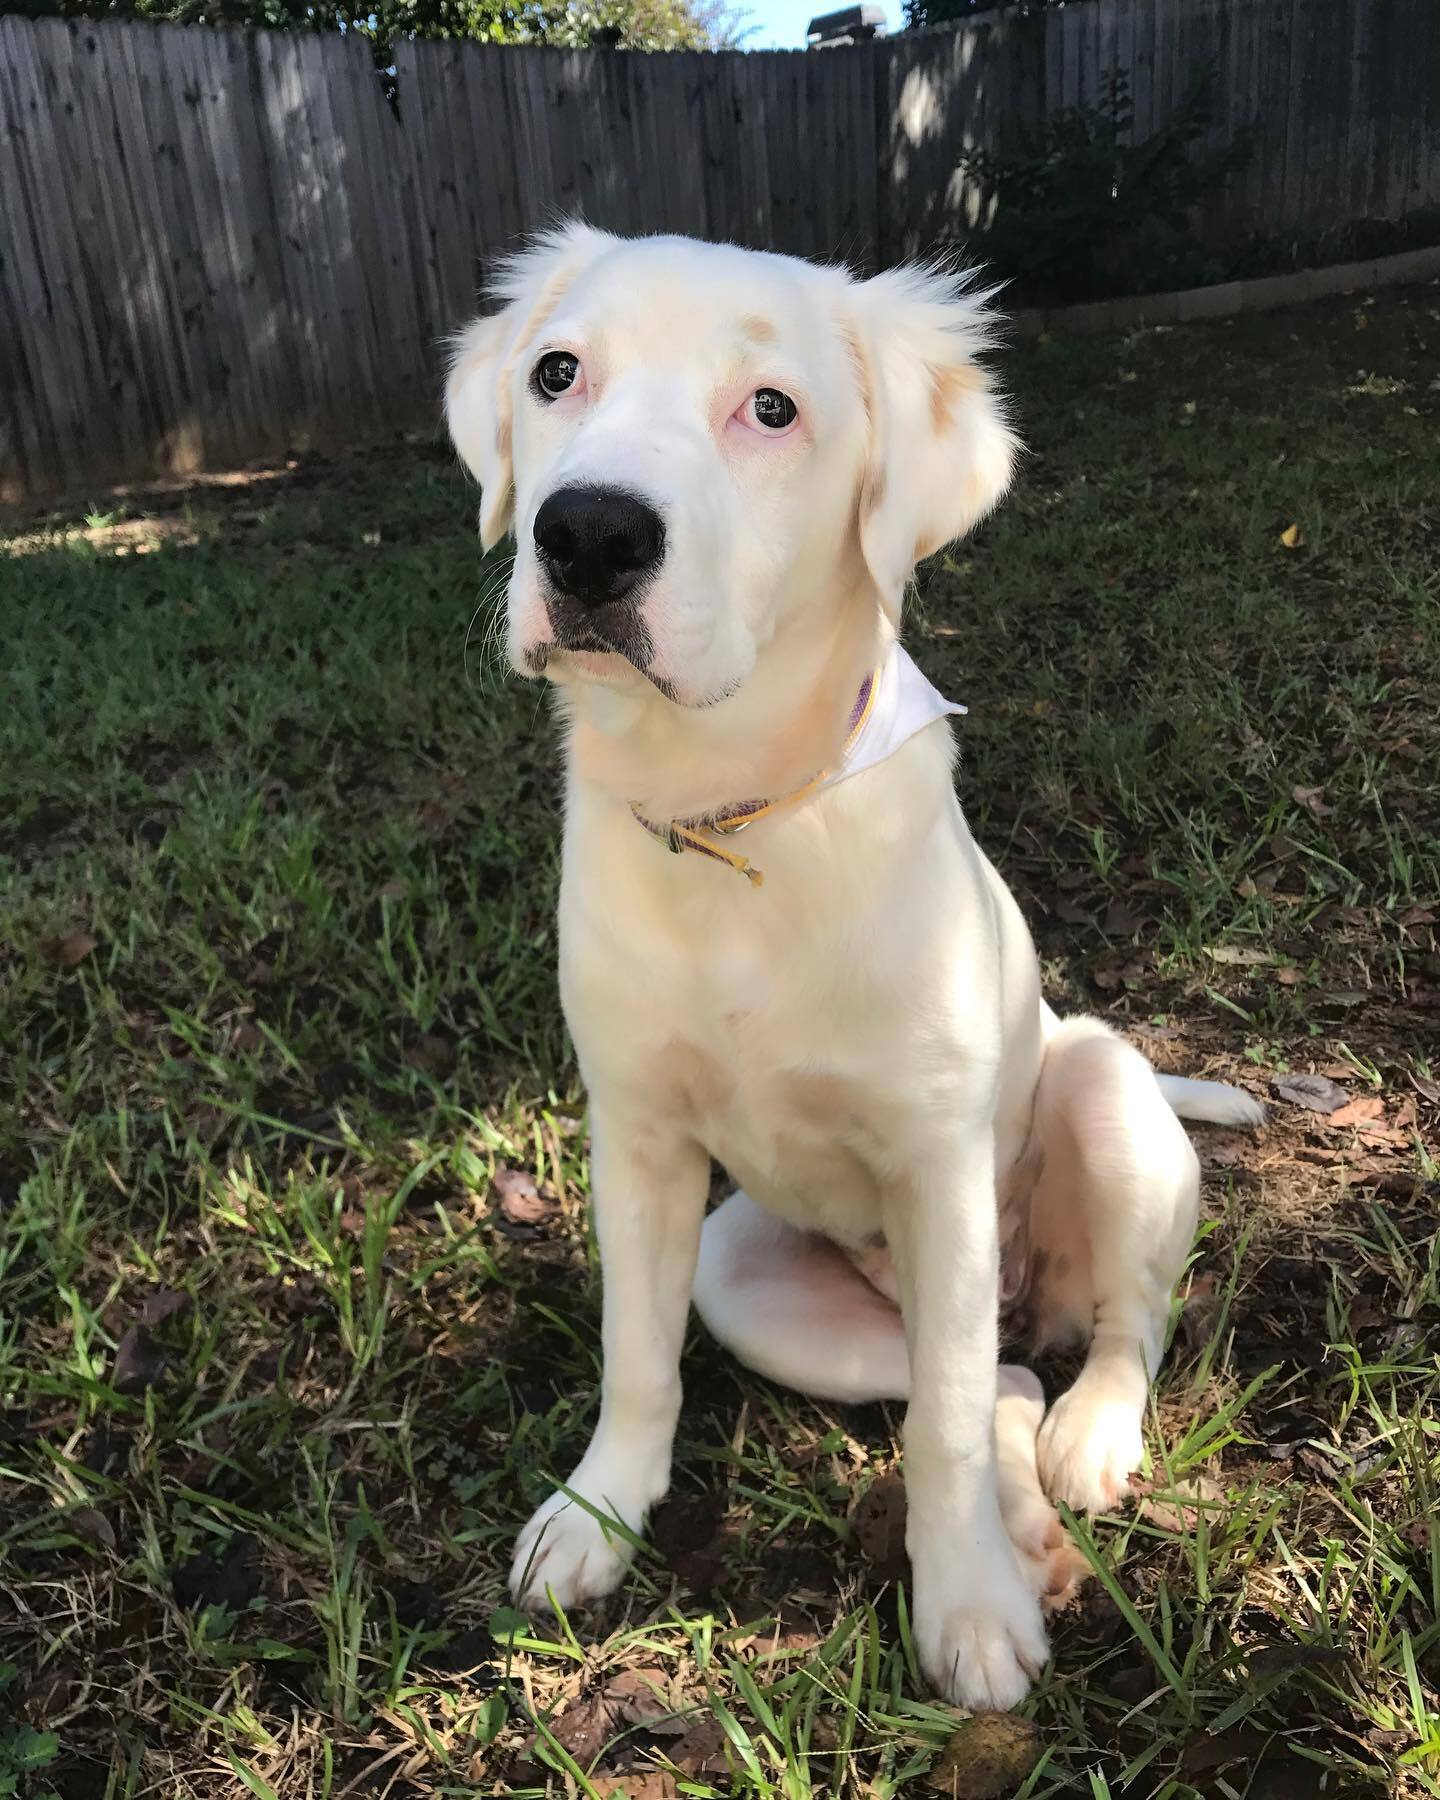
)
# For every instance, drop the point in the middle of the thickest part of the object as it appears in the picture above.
(905, 702)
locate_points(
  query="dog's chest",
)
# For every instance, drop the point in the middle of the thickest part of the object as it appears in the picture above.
(785, 1112)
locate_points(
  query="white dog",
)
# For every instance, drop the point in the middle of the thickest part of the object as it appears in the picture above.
(721, 468)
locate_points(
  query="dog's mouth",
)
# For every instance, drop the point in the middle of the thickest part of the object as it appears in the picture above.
(588, 656)
(598, 642)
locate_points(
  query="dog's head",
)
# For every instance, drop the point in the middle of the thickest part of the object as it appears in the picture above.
(692, 441)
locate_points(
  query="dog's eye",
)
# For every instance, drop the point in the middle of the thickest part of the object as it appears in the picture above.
(555, 374)
(772, 409)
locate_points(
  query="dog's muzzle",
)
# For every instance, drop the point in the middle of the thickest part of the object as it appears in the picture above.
(599, 548)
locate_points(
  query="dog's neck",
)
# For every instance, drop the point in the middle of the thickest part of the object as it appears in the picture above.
(787, 722)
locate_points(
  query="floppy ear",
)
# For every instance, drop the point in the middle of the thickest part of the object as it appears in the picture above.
(478, 407)
(941, 453)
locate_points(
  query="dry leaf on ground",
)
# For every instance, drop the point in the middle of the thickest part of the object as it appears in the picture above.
(521, 1202)
(1359, 1111)
(1178, 1505)
(1317, 1093)
(68, 950)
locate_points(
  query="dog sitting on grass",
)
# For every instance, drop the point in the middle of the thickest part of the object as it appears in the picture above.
(780, 945)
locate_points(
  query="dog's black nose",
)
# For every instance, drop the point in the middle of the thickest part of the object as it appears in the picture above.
(597, 543)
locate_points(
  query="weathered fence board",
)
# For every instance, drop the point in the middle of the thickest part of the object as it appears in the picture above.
(217, 245)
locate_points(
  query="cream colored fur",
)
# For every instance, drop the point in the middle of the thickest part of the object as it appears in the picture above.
(862, 1042)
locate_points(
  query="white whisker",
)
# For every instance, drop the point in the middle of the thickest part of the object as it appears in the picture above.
(492, 651)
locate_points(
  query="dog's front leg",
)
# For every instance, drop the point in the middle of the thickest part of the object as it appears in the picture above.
(648, 1189)
(978, 1625)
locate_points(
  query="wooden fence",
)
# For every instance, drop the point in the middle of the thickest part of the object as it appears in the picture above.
(217, 245)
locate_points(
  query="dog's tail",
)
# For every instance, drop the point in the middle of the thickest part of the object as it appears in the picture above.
(1210, 1102)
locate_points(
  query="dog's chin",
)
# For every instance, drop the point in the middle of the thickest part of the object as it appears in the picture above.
(612, 670)
(561, 664)
(568, 665)
(607, 666)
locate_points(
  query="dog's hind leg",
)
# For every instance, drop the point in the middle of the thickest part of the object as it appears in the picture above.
(1113, 1216)
(796, 1309)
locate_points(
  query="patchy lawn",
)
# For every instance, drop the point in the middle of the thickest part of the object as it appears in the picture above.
(299, 1312)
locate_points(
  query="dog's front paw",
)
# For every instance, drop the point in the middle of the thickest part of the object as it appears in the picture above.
(1088, 1446)
(982, 1643)
(568, 1553)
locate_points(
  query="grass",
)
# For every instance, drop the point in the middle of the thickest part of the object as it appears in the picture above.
(299, 1310)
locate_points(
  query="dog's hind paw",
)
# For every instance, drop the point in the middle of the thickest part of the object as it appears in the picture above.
(1088, 1446)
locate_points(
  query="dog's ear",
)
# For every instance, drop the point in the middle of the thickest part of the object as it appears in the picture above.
(478, 408)
(940, 453)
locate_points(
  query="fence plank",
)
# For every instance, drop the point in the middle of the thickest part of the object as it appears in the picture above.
(119, 122)
(31, 273)
(29, 453)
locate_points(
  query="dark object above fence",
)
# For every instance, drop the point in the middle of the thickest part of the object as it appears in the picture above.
(217, 245)
(851, 25)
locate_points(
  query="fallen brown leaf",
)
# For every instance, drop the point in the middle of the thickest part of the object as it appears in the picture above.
(431, 1055)
(1208, 1751)
(68, 950)
(1243, 956)
(584, 1728)
(1318, 1093)
(89, 1523)
(701, 1751)
(51, 1692)
(1313, 800)
(521, 1202)
(1225, 1149)
(639, 1696)
(1358, 1111)
(1278, 1659)
(651, 1784)
(162, 1303)
(139, 1362)
(1119, 921)
(1178, 1506)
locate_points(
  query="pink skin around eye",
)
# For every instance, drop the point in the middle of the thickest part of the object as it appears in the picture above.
(744, 417)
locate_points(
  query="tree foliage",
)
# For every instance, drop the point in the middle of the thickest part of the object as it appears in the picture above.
(570, 24)
(921, 14)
